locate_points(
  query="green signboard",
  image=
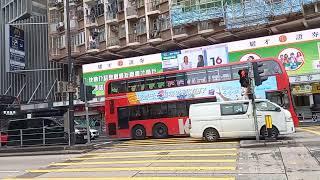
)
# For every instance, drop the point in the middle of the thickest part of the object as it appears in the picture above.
(297, 58)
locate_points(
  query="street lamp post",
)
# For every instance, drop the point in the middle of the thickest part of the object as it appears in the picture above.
(70, 79)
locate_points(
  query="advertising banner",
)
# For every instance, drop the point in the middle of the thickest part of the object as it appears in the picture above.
(195, 57)
(229, 90)
(298, 51)
(15, 50)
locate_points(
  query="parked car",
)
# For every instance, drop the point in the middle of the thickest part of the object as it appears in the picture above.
(233, 119)
(40, 131)
(3, 139)
(82, 124)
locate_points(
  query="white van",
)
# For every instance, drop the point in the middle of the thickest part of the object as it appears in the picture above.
(234, 119)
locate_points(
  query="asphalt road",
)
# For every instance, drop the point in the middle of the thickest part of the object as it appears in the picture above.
(176, 159)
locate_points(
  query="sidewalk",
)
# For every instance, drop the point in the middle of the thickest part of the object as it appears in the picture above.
(300, 137)
(54, 149)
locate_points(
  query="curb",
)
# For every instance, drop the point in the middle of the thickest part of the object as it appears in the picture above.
(53, 150)
(263, 143)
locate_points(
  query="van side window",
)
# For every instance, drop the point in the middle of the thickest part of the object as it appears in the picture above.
(265, 106)
(234, 109)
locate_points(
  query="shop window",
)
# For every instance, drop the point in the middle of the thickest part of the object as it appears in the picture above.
(196, 77)
(302, 100)
(316, 99)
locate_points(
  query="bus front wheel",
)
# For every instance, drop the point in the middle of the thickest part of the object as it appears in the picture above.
(138, 132)
(160, 130)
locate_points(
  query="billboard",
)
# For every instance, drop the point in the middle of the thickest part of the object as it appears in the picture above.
(298, 51)
(15, 49)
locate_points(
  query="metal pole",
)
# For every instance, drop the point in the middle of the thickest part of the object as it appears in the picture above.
(71, 75)
(87, 113)
(254, 109)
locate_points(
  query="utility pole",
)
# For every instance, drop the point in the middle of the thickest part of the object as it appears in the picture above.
(70, 78)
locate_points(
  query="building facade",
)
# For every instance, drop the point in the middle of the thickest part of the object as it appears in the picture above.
(33, 82)
(107, 30)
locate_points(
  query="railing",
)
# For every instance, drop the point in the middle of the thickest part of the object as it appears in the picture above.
(111, 16)
(132, 11)
(34, 136)
(113, 41)
(205, 25)
(155, 5)
(178, 31)
(133, 38)
(91, 20)
(154, 34)
(93, 44)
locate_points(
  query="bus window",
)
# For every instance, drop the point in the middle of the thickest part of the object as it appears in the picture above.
(182, 109)
(196, 77)
(155, 83)
(213, 75)
(224, 73)
(172, 110)
(136, 85)
(117, 87)
(174, 80)
(235, 69)
(271, 68)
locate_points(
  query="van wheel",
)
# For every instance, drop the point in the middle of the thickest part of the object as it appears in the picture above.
(160, 130)
(211, 135)
(264, 132)
(138, 132)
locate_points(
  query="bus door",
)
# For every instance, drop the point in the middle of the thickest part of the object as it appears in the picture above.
(123, 120)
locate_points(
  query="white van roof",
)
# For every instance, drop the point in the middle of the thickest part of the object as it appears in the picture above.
(228, 102)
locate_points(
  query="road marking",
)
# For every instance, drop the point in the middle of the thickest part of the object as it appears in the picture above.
(213, 168)
(155, 155)
(147, 161)
(312, 131)
(163, 151)
(177, 144)
(134, 178)
(9, 171)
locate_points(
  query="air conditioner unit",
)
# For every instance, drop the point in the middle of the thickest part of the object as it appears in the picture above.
(62, 86)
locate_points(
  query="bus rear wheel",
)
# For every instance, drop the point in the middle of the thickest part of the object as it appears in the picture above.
(160, 130)
(138, 132)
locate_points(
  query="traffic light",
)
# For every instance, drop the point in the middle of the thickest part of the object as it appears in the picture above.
(86, 92)
(258, 73)
(244, 78)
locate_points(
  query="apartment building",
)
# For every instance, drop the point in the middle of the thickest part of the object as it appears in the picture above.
(112, 29)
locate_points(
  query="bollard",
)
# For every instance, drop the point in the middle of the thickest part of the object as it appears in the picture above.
(0, 139)
(268, 121)
(44, 135)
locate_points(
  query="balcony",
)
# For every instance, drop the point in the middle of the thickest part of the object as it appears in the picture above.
(133, 39)
(122, 34)
(155, 36)
(153, 8)
(90, 2)
(179, 33)
(55, 4)
(113, 43)
(91, 21)
(93, 46)
(205, 27)
(132, 12)
(111, 18)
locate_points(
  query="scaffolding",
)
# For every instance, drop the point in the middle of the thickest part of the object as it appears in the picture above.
(235, 13)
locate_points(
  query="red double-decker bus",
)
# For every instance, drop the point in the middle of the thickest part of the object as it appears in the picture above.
(157, 105)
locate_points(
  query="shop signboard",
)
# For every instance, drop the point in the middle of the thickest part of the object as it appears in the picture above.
(298, 51)
(302, 89)
(15, 49)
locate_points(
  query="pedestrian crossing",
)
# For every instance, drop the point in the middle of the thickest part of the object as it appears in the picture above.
(311, 129)
(150, 159)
